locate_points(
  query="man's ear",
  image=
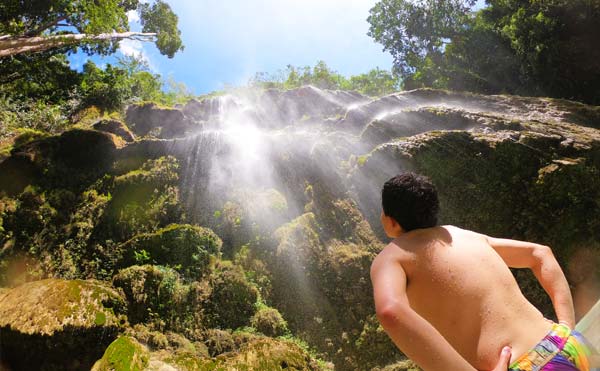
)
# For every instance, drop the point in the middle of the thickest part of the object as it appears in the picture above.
(397, 227)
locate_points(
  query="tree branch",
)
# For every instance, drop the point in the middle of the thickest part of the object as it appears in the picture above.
(17, 45)
(44, 27)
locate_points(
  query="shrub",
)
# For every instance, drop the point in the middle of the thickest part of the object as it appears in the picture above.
(231, 302)
(143, 200)
(150, 291)
(270, 322)
(185, 248)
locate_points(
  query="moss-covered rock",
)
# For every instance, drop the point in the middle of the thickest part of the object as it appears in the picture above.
(219, 341)
(266, 355)
(58, 324)
(161, 122)
(123, 354)
(142, 201)
(270, 322)
(156, 295)
(232, 300)
(73, 159)
(186, 248)
(115, 127)
(374, 348)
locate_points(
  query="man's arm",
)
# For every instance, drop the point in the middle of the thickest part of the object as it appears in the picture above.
(539, 258)
(411, 333)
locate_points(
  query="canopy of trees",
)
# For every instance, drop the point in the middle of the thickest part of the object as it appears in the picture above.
(96, 26)
(376, 82)
(527, 47)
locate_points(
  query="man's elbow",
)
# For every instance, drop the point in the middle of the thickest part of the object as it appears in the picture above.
(541, 254)
(391, 313)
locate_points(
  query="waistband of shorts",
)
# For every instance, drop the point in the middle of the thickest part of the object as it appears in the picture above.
(552, 344)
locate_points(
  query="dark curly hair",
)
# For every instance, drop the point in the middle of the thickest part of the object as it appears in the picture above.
(412, 200)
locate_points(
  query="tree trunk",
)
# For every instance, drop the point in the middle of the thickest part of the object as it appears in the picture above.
(16, 45)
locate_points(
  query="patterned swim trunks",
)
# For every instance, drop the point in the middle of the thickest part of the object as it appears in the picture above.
(562, 349)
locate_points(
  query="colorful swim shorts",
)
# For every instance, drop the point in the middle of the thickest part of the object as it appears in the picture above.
(562, 349)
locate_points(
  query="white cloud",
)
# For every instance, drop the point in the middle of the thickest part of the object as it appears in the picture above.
(135, 48)
(132, 48)
(133, 16)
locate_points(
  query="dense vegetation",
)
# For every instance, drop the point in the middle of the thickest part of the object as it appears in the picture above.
(376, 82)
(526, 47)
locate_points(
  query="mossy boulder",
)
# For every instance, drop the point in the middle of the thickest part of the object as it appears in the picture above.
(58, 324)
(331, 286)
(73, 159)
(157, 295)
(269, 354)
(266, 355)
(143, 200)
(269, 322)
(186, 248)
(123, 354)
(115, 127)
(232, 301)
(161, 122)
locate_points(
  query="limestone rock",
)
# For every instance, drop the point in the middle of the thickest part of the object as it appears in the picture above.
(58, 324)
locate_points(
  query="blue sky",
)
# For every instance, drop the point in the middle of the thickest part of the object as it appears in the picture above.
(228, 41)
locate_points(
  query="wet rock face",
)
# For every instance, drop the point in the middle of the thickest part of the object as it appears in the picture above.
(58, 324)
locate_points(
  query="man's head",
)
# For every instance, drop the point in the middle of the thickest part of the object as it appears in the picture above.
(409, 202)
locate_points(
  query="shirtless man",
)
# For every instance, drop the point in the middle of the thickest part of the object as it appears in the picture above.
(446, 297)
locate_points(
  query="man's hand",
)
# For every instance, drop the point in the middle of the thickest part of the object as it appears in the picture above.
(502, 364)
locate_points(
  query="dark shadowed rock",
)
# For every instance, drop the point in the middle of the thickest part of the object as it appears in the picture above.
(161, 122)
(72, 159)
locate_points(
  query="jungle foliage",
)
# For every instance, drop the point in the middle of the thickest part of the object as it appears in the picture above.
(526, 47)
(376, 82)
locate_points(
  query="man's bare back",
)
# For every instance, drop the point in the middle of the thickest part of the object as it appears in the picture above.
(458, 283)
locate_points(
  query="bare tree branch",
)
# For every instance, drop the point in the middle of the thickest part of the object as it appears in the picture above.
(17, 45)
(45, 26)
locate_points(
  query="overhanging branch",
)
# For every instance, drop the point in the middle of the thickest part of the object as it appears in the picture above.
(10, 45)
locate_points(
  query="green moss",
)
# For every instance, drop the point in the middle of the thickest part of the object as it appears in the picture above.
(266, 355)
(142, 201)
(232, 301)
(56, 304)
(186, 248)
(362, 160)
(26, 135)
(100, 319)
(270, 322)
(151, 290)
(123, 354)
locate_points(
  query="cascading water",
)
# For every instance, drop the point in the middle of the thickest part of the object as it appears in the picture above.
(295, 176)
